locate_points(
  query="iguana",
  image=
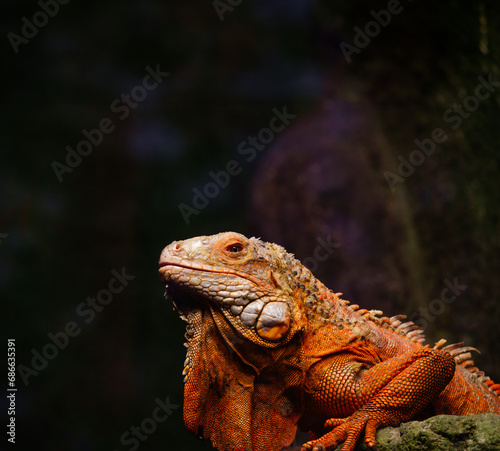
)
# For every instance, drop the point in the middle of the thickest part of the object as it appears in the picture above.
(270, 349)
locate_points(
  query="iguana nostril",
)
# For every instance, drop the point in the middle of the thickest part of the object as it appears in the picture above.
(178, 247)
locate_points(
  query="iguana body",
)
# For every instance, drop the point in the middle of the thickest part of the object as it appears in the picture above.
(271, 348)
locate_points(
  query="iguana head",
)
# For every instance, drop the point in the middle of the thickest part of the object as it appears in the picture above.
(247, 280)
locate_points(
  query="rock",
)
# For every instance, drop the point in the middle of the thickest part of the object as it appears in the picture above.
(443, 433)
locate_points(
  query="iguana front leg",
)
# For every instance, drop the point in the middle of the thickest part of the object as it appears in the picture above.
(360, 395)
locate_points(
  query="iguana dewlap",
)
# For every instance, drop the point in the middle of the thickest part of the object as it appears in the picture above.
(270, 349)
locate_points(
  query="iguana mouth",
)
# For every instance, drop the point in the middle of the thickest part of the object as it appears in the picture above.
(180, 288)
(195, 285)
(175, 262)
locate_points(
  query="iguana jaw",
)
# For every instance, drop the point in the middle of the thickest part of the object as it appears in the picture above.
(258, 316)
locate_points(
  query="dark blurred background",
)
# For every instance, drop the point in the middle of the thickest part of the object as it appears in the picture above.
(360, 103)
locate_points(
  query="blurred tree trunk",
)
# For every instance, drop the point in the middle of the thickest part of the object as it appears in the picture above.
(408, 225)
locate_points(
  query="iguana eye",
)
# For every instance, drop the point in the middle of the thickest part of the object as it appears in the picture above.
(234, 248)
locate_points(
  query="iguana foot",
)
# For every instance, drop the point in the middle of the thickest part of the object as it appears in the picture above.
(347, 430)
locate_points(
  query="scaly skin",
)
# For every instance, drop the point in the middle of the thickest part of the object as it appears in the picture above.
(270, 349)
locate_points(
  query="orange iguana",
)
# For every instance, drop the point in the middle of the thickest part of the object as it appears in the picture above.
(270, 349)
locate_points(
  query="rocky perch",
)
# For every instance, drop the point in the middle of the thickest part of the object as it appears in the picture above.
(443, 433)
